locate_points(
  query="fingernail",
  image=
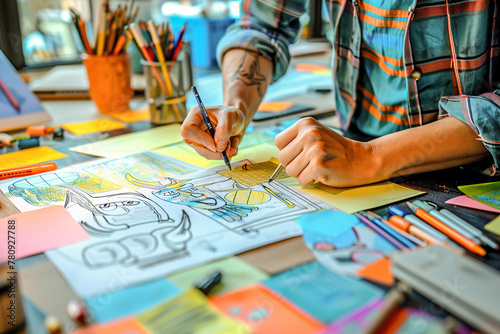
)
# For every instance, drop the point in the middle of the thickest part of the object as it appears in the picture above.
(221, 145)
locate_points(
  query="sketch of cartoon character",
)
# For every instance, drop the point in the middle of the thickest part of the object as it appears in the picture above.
(112, 212)
(45, 189)
(200, 198)
(144, 249)
(353, 250)
(146, 166)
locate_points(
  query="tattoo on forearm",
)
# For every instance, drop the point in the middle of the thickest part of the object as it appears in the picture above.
(248, 72)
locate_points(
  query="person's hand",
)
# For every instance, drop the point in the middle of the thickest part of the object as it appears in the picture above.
(312, 152)
(229, 125)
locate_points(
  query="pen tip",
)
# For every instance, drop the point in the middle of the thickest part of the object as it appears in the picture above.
(228, 166)
(270, 180)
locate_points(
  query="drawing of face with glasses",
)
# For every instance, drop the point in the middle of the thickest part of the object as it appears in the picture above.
(112, 212)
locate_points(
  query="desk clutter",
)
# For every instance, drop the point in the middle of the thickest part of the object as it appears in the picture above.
(171, 224)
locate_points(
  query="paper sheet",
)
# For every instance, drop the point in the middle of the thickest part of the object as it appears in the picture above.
(321, 293)
(37, 231)
(29, 156)
(493, 226)
(98, 125)
(189, 313)
(341, 242)
(378, 272)
(235, 274)
(258, 153)
(131, 143)
(130, 116)
(468, 202)
(158, 224)
(279, 256)
(265, 311)
(486, 193)
(47, 290)
(351, 200)
(130, 301)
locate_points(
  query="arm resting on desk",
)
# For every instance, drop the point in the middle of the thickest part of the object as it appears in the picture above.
(312, 152)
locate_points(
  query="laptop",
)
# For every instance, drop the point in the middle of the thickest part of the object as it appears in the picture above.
(19, 107)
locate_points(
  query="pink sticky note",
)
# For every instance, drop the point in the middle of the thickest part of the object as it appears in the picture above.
(33, 232)
(468, 202)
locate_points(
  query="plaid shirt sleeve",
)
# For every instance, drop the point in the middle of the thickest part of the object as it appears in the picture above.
(482, 113)
(266, 27)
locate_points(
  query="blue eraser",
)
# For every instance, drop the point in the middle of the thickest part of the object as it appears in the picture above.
(396, 210)
(28, 143)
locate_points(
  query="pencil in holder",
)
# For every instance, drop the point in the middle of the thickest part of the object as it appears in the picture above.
(109, 81)
(165, 91)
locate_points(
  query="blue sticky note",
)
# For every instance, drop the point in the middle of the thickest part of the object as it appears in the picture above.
(130, 301)
(320, 292)
(325, 224)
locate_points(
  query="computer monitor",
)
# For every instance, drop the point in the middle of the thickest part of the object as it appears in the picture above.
(19, 107)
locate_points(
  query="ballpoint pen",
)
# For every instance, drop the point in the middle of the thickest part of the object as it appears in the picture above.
(276, 173)
(208, 123)
(466, 225)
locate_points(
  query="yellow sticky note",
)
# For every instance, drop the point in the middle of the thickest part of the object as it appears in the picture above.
(131, 143)
(191, 313)
(493, 226)
(258, 153)
(354, 199)
(274, 106)
(98, 125)
(130, 116)
(29, 156)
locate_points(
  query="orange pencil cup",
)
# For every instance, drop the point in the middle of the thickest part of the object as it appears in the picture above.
(165, 92)
(109, 81)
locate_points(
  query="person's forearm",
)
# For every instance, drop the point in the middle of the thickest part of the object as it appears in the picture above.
(246, 76)
(442, 144)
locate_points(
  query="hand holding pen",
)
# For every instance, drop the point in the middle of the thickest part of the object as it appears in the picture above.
(208, 123)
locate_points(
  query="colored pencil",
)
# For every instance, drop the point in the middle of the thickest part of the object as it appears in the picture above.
(381, 232)
(10, 97)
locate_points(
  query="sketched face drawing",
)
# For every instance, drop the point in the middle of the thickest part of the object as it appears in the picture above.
(113, 212)
(187, 194)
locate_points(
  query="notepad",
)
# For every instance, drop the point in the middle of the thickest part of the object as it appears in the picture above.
(131, 143)
(29, 156)
(98, 125)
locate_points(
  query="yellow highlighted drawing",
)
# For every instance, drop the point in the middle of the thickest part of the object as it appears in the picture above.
(252, 174)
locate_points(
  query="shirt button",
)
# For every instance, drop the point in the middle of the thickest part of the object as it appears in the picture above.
(416, 74)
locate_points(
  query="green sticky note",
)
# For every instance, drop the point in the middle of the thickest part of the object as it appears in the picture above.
(235, 274)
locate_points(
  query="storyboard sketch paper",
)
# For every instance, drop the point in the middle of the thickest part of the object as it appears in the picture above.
(146, 223)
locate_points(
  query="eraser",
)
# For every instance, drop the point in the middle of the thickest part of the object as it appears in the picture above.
(38, 130)
(28, 143)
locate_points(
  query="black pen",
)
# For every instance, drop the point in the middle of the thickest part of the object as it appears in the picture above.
(208, 123)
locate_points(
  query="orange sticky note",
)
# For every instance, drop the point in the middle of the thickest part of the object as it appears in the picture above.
(38, 231)
(265, 311)
(378, 272)
(98, 125)
(274, 106)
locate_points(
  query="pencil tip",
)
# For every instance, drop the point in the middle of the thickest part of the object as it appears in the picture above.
(270, 180)
(229, 166)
